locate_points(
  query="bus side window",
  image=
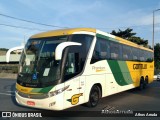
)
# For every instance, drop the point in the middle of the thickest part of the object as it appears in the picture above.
(72, 67)
(127, 53)
(101, 50)
(115, 51)
(141, 56)
(96, 52)
(135, 53)
(149, 57)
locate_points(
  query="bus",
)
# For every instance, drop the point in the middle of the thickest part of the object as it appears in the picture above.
(63, 68)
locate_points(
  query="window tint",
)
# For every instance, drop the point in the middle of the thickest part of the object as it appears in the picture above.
(127, 53)
(107, 49)
(72, 65)
(101, 51)
(141, 55)
(76, 55)
(145, 56)
(135, 52)
(149, 56)
(115, 51)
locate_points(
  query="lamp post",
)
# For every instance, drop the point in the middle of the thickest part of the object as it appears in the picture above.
(153, 28)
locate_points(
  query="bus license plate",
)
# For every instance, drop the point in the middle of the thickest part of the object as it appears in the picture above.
(30, 103)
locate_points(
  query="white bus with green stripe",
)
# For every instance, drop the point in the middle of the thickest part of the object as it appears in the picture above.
(64, 68)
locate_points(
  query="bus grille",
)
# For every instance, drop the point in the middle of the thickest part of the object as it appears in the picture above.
(33, 96)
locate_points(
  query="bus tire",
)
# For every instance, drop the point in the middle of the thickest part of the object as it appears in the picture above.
(141, 85)
(94, 96)
(146, 82)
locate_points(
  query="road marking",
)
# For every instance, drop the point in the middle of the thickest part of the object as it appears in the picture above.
(7, 94)
(11, 91)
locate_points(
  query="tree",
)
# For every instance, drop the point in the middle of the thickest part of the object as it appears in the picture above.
(157, 55)
(3, 49)
(128, 34)
(139, 41)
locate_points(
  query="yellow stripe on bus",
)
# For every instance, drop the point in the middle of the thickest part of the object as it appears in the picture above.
(62, 32)
(138, 69)
(23, 89)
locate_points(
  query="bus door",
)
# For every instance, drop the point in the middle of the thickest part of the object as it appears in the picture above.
(72, 94)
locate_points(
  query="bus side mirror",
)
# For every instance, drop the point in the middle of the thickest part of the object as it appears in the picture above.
(12, 49)
(61, 46)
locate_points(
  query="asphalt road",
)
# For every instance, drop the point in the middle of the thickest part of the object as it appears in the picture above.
(135, 100)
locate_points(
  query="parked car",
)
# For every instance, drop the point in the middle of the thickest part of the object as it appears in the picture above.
(158, 76)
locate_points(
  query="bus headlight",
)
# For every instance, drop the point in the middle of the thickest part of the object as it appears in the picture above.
(56, 92)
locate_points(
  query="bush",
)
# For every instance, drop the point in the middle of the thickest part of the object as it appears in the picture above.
(157, 71)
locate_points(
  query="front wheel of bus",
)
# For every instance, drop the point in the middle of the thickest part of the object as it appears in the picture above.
(94, 96)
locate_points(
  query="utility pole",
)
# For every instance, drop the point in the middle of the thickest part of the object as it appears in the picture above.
(153, 27)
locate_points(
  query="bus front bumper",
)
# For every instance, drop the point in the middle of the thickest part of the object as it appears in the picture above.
(50, 103)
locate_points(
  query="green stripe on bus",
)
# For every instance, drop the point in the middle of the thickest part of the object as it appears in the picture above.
(36, 90)
(125, 72)
(106, 37)
(42, 90)
(116, 70)
(46, 89)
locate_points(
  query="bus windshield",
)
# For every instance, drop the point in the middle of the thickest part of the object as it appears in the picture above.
(38, 65)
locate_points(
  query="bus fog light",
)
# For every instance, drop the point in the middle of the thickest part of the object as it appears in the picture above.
(56, 92)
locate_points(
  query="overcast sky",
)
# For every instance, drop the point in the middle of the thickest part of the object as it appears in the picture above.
(106, 15)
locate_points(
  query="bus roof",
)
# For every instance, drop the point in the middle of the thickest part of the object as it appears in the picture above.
(122, 41)
(62, 32)
(129, 43)
(72, 30)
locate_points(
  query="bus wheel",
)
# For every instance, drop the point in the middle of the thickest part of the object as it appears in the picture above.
(94, 96)
(145, 82)
(141, 85)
